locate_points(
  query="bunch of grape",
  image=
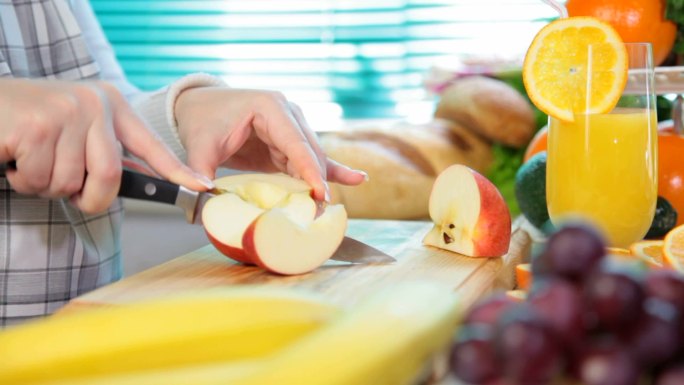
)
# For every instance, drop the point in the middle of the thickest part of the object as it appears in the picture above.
(586, 319)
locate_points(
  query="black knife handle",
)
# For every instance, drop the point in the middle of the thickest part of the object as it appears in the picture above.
(139, 186)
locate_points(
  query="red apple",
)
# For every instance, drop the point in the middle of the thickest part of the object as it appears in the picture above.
(470, 215)
(277, 243)
(249, 208)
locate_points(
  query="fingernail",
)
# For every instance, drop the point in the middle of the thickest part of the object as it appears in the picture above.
(206, 182)
(327, 194)
(365, 175)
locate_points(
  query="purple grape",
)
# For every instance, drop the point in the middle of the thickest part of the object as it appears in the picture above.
(528, 349)
(667, 285)
(607, 364)
(613, 299)
(560, 304)
(473, 358)
(570, 252)
(489, 310)
(671, 376)
(654, 339)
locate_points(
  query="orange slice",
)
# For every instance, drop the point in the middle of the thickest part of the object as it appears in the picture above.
(523, 275)
(618, 251)
(651, 252)
(558, 68)
(517, 295)
(673, 248)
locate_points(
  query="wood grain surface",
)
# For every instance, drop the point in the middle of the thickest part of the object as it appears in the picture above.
(340, 282)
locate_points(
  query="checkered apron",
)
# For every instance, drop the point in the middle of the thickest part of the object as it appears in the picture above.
(49, 251)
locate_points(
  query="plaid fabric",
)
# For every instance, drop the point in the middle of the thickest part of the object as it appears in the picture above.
(49, 251)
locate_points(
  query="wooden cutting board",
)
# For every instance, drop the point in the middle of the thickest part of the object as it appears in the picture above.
(340, 282)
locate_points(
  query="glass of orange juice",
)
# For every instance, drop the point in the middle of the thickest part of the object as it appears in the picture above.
(602, 167)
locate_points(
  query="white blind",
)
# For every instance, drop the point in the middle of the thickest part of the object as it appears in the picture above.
(338, 58)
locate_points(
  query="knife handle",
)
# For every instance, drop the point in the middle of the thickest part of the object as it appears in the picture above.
(139, 186)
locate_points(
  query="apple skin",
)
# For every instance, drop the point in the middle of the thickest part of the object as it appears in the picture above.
(469, 213)
(272, 221)
(236, 253)
(280, 245)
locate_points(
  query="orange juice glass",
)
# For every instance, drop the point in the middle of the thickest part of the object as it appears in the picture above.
(602, 168)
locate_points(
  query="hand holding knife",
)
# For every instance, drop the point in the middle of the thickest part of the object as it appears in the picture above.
(136, 185)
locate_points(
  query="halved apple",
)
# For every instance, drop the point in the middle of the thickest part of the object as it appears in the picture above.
(275, 215)
(470, 216)
(278, 243)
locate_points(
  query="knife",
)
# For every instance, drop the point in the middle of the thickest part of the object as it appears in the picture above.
(139, 186)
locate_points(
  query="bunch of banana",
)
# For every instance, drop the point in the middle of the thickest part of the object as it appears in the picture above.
(384, 340)
(200, 328)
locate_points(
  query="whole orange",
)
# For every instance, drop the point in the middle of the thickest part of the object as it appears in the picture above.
(671, 171)
(635, 21)
(537, 144)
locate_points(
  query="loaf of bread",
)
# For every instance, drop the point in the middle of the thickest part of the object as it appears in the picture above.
(490, 108)
(402, 162)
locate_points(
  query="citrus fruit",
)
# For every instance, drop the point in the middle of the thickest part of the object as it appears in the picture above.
(537, 144)
(671, 171)
(650, 252)
(523, 275)
(556, 69)
(618, 251)
(673, 248)
(530, 190)
(634, 20)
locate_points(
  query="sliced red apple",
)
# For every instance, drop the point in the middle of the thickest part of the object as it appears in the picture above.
(237, 183)
(232, 218)
(282, 245)
(225, 218)
(470, 216)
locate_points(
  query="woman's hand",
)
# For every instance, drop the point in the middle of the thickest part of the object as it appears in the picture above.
(65, 138)
(254, 130)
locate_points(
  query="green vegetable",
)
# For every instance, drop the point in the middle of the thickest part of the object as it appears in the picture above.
(664, 220)
(530, 190)
(507, 160)
(663, 108)
(674, 10)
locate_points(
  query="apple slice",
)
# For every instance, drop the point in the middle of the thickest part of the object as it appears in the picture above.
(270, 220)
(469, 213)
(282, 245)
(227, 216)
(237, 183)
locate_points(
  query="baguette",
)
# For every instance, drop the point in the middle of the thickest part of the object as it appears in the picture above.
(402, 163)
(490, 108)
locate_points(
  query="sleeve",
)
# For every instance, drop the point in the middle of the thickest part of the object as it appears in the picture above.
(156, 107)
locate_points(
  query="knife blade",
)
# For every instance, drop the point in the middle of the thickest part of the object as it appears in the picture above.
(135, 185)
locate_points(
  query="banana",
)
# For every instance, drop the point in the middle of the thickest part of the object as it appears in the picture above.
(209, 374)
(204, 327)
(386, 340)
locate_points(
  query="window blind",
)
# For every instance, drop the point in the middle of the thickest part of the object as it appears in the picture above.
(339, 58)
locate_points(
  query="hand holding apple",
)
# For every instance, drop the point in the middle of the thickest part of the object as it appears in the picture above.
(270, 220)
(470, 215)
